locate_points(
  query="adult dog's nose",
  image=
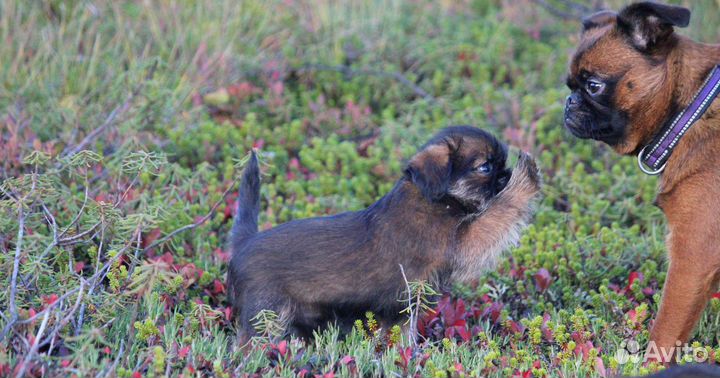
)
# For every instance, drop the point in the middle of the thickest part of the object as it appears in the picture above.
(572, 101)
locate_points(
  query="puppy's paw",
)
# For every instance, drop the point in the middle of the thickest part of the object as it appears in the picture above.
(525, 182)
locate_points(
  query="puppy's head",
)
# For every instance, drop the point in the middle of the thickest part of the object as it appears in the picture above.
(620, 74)
(462, 164)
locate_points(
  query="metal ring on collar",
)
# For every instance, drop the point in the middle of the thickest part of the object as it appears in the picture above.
(645, 169)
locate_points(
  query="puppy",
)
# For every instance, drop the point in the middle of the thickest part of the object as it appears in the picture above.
(456, 207)
(647, 91)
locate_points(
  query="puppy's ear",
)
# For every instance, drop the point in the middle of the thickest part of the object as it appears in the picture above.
(649, 24)
(430, 169)
(598, 19)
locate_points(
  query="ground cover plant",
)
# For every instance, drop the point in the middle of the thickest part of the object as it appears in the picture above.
(123, 129)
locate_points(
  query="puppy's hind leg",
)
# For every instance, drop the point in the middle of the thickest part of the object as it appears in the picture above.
(266, 316)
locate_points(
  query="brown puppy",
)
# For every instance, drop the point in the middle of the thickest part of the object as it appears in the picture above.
(446, 219)
(631, 78)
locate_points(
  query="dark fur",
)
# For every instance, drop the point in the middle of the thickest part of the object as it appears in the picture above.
(688, 371)
(334, 269)
(648, 73)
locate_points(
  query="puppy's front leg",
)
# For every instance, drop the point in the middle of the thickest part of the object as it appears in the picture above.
(498, 225)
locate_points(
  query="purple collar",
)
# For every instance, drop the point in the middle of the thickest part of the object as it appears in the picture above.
(653, 163)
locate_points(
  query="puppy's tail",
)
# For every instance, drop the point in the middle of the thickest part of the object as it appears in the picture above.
(245, 224)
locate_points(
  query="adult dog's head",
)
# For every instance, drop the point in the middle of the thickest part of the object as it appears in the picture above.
(625, 73)
(461, 165)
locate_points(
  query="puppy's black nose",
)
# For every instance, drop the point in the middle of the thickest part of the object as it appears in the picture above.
(573, 101)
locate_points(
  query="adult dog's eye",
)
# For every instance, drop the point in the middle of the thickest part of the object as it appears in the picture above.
(485, 168)
(594, 87)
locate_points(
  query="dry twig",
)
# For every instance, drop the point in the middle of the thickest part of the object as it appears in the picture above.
(413, 313)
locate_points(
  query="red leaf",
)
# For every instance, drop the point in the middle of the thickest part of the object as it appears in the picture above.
(637, 317)
(282, 348)
(543, 279)
(166, 258)
(49, 299)
(454, 315)
(494, 311)
(459, 367)
(183, 352)
(294, 163)
(443, 304)
(634, 276)
(65, 363)
(218, 287)
(518, 273)
(349, 361)
(222, 255)
(405, 357)
(151, 237)
(547, 332)
(583, 349)
(136, 375)
(600, 367)
(242, 90)
(515, 327)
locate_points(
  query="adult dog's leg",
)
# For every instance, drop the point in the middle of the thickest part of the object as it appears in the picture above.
(691, 280)
(693, 271)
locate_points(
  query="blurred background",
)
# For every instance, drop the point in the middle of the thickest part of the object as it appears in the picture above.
(124, 124)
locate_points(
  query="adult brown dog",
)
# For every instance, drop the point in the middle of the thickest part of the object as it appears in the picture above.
(632, 77)
(446, 219)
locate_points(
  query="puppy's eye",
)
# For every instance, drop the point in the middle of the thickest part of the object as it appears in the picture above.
(485, 168)
(594, 87)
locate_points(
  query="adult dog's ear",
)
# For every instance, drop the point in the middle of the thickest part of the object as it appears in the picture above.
(598, 19)
(430, 169)
(649, 24)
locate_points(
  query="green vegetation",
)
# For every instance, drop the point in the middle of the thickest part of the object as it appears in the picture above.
(123, 125)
